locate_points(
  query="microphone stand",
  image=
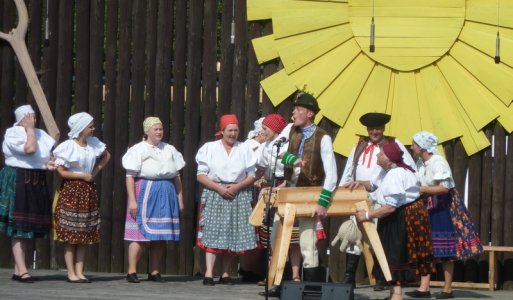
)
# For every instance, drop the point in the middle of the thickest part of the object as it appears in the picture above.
(267, 220)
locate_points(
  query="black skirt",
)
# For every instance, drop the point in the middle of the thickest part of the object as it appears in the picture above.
(33, 206)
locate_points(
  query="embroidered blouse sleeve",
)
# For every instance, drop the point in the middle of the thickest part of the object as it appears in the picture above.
(66, 153)
(97, 145)
(441, 173)
(132, 160)
(202, 159)
(177, 158)
(15, 139)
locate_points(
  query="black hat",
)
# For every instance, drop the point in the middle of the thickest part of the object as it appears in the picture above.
(308, 101)
(374, 119)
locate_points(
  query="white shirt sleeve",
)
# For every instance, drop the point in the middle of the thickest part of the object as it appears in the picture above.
(329, 163)
(348, 169)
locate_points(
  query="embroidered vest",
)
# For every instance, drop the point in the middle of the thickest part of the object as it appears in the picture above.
(360, 147)
(312, 174)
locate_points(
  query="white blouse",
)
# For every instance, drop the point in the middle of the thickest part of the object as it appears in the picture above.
(253, 144)
(14, 152)
(266, 159)
(76, 158)
(399, 187)
(435, 171)
(221, 166)
(153, 162)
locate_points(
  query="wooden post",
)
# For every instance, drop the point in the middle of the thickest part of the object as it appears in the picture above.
(16, 38)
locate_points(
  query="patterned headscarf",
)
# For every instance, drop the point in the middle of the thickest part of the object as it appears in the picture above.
(149, 122)
(77, 123)
(275, 122)
(257, 129)
(427, 141)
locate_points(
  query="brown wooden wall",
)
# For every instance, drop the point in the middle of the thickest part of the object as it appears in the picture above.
(123, 60)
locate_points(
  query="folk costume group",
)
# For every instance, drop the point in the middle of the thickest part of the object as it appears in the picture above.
(420, 215)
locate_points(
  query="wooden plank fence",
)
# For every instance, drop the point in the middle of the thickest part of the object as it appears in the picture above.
(123, 60)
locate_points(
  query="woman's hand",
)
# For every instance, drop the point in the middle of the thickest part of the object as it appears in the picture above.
(88, 177)
(180, 203)
(361, 215)
(28, 121)
(300, 163)
(50, 165)
(132, 207)
(226, 192)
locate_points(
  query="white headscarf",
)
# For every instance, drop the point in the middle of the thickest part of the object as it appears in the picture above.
(21, 112)
(77, 123)
(427, 141)
(258, 128)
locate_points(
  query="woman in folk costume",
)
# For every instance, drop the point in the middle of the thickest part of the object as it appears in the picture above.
(25, 204)
(272, 126)
(453, 233)
(77, 215)
(255, 136)
(398, 191)
(226, 169)
(155, 201)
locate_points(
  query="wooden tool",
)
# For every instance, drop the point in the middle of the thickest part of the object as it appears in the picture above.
(16, 37)
(257, 215)
(300, 202)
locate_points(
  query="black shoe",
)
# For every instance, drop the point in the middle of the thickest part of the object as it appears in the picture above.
(380, 286)
(208, 281)
(20, 278)
(155, 278)
(274, 292)
(226, 280)
(444, 295)
(418, 294)
(132, 278)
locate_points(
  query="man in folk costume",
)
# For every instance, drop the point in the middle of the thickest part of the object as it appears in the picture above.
(309, 161)
(362, 166)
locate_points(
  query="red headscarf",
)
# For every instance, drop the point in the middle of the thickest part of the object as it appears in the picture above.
(224, 121)
(395, 155)
(275, 122)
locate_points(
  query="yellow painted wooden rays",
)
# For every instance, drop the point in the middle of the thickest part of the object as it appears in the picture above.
(433, 67)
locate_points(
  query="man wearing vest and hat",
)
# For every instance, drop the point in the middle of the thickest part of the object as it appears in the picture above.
(362, 165)
(309, 161)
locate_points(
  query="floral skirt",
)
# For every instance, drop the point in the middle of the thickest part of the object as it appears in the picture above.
(223, 225)
(468, 243)
(77, 215)
(418, 230)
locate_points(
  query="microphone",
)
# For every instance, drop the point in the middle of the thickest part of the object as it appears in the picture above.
(280, 141)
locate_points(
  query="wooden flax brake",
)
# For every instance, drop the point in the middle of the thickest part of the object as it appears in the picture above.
(16, 37)
(300, 202)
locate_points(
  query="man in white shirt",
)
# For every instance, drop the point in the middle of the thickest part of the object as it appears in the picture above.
(309, 161)
(362, 165)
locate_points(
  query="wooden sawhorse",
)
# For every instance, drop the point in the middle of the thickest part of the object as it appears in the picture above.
(299, 202)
